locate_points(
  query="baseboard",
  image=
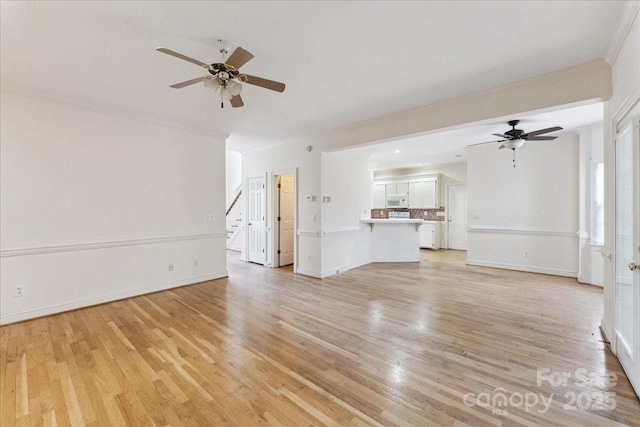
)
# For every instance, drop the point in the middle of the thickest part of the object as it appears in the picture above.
(46, 311)
(606, 333)
(589, 281)
(309, 273)
(333, 272)
(527, 268)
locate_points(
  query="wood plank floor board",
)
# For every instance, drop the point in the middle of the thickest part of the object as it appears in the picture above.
(381, 345)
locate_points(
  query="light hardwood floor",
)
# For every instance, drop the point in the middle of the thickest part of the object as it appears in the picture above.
(386, 344)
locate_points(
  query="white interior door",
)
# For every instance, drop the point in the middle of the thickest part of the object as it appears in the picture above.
(626, 315)
(286, 223)
(256, 231)
(457, 209)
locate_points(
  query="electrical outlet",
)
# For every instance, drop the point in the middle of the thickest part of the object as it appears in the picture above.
(526, 254)
(195, 262)
(20, 291)
(171, 267)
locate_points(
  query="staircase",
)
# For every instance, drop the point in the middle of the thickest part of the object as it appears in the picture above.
(234, 223)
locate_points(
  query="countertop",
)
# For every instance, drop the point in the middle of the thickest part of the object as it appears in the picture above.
(391, 221)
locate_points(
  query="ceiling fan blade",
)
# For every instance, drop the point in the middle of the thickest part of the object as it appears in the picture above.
(540, 131)
(236, 101)
(239, 57)
(183, 57)
(541, 138)
(482, 143)
(188, 83)
(265, 83)
(501, 135)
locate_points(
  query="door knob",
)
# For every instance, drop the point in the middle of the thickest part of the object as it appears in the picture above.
(633, 266)
(249, 223)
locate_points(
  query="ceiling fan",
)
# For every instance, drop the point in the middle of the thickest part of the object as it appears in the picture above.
(515, 138)
(224, 76)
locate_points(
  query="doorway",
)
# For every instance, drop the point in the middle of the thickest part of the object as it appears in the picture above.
(457, 213)
(284, 215)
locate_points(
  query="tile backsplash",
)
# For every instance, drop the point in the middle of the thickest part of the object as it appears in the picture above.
(426, 214)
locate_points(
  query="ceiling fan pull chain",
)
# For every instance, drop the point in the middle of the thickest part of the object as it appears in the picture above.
(514, 158)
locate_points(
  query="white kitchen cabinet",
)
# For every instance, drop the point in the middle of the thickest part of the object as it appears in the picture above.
(414, 199)
(390, 189)
(397, 188)
(430, 194)
(423, 193)
(379, 196)
(402, 188)
(429, 235)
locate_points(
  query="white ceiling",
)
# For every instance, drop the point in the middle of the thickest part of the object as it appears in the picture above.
(450, 146)
(343, 62)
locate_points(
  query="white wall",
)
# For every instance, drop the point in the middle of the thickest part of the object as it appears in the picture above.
(288, 158)
(95, 206)
(346, 179)
(330, 236)
(625, 92)
(233, 174)
(590, 265)
(524, 218)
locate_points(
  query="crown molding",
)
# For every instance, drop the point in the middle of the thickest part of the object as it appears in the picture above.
(628, 15)
(20, 91)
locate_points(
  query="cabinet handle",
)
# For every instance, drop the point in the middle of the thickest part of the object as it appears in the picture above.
(633, 266)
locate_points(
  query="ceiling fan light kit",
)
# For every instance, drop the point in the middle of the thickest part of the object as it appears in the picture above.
(224, 76)
(515, 138)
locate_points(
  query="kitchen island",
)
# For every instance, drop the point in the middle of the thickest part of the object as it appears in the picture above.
(394, 239)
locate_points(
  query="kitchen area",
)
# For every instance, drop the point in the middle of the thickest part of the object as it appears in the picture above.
(406, 216)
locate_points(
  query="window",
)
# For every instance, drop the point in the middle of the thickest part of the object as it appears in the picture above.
(597, 202)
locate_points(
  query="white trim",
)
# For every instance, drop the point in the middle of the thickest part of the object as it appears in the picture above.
(628, 14)
(519, 267)
(309, 273)
(340, 270)
(342, 232)
(31, 314)
(625, 108)
(104, 110)
(606, 332)
(103, 245)
(307, 233)
(514, 230)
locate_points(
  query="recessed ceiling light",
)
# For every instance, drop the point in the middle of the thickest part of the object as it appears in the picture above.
(397, 151)
(419, 164)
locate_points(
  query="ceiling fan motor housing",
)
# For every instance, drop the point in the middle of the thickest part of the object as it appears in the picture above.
(514, 133)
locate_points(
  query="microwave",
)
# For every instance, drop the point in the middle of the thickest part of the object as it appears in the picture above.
(397, 202)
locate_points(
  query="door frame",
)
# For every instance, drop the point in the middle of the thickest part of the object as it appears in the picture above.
(447, 207)
(272, 213)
